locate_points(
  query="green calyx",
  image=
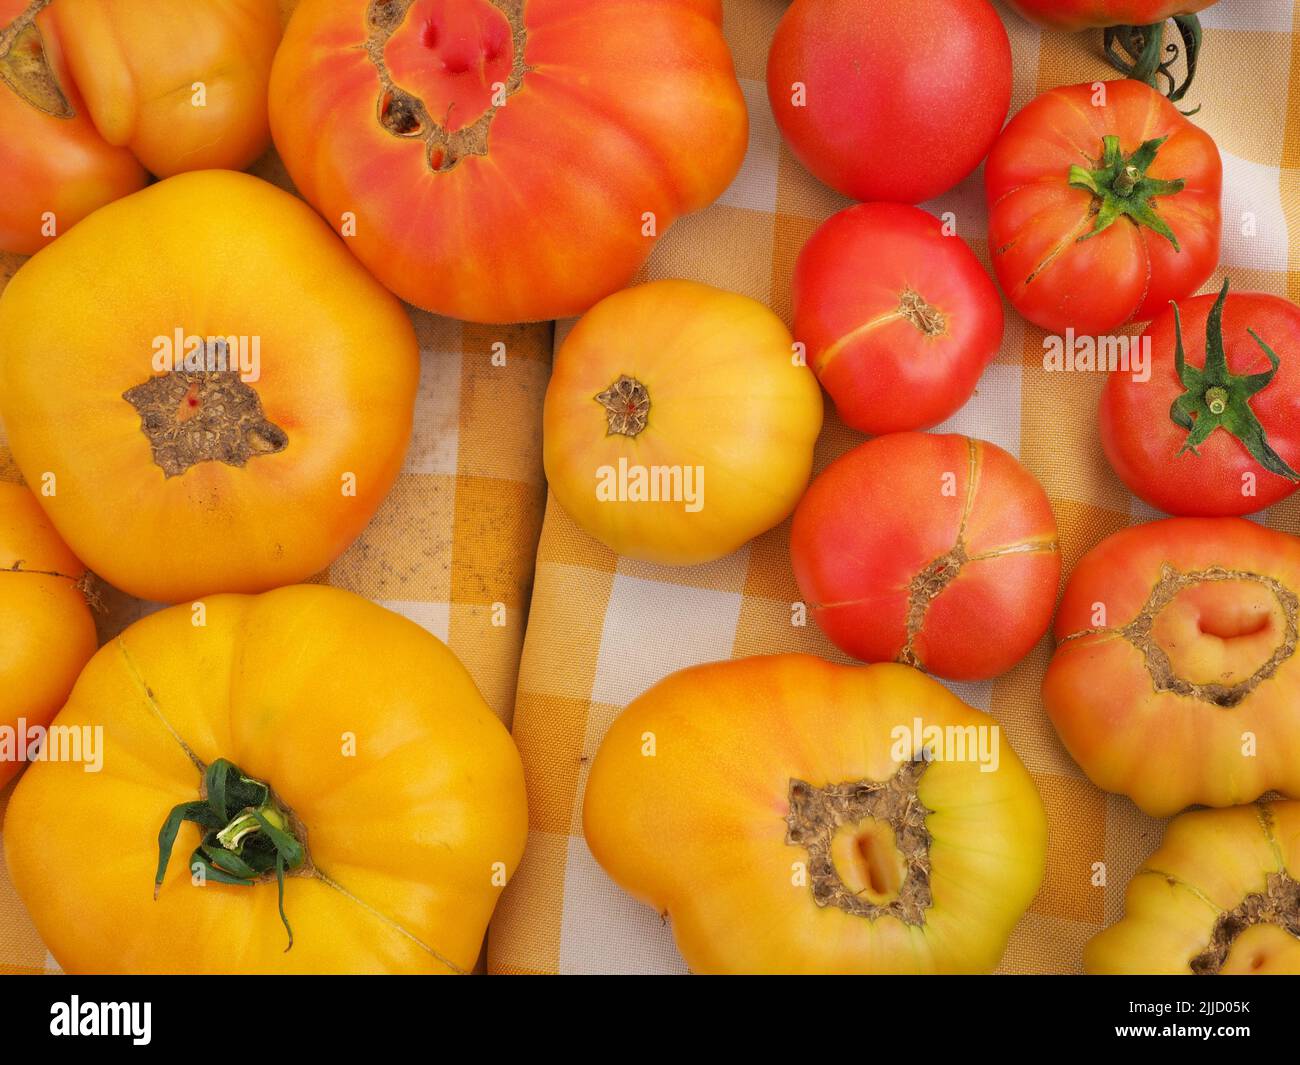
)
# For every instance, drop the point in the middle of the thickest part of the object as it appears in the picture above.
(1121, 188)
(1218, 399)
(248, 837)
(1140, 53)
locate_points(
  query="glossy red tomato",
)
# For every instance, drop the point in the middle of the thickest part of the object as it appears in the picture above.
(1095, 14)
(1219, 435)
(1104, 205)
(936, 551)
(892, 99)
(899, 318)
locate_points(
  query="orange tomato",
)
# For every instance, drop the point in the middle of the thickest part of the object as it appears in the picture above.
(1175, 679)
(46, 629)
(1220, 896)
(375, 770)
(779, 812)
(678, 424)
(507, 162)
(94, 93)
(939, 551)
(241, 396)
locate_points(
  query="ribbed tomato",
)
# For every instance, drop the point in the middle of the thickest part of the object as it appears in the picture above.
(301, 769)
(1104, 205)
(789, 815)
(1220, 897)
(1175, 679)
(94, 93)
(506, 161)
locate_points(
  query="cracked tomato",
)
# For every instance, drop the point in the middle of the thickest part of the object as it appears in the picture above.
(301, 768)
(937, 551)
(783, 814)
(1175, 679)
(241, 396)
(507, 162)
(1214, 429)
(898, 317)
(96, 93)
(896, 100)
(1220, 897)
(1104, 205)
(46, 629)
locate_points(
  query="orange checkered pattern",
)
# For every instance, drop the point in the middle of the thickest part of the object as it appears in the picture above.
(603, 629)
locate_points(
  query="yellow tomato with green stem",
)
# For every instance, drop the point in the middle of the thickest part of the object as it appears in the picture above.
(47, 631)
(298, 782)
(679, 422)
(788, 815)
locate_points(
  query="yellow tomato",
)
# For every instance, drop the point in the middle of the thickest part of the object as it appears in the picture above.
(1221, 895)
(215, 392)
(183, 85)
(362, 742)
(679, 423)
(46, 629)
(780, 812)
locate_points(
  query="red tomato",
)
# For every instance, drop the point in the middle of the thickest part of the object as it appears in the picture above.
(1095, 14)
(892, 99)
(899, 320)
(1090, 247)
(937, 551)
(505, 162)
(1221, 436)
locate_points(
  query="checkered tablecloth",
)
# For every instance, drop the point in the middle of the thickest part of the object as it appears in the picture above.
(452, 546)
(603, 629)
(460, 531)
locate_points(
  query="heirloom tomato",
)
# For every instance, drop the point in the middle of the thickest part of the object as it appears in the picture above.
(1097, 14)
(506, 162)
(1220, 897)
(899, 319)
(46, 629)
(804, 817)
(937, 551)
(1104, 205)
(1230, 363)
(94, 93)
(1175, 679)
(893, 99)
(215, 393)
(300, 770)
(678, 422)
